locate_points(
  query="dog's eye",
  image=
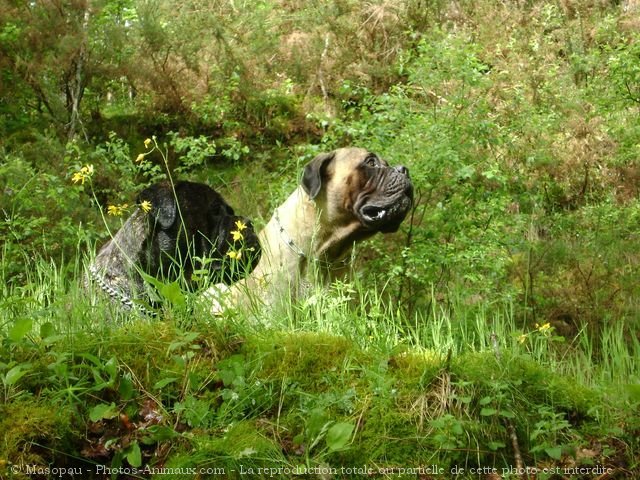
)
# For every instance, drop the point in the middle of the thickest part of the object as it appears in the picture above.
(372, 161)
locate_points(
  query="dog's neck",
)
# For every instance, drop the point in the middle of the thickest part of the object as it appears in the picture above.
(294, 237)
(296, 220)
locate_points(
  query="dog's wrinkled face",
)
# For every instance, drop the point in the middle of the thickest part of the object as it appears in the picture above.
(356, 185)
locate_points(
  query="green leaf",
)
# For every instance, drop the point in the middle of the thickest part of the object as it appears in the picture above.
(554, 452)
(160, 384)
(466, 172)
(134, 455)
(99, 382)
(485, 400)
(111, 367)
(495, 445)
(13, 375)
(227, 377)
(339, 435)
(298, 439)
(169, 291)
(103, 411)
(247, 452)
(20, 328)
(125, 389)
(152, 280)
(489, 174)
(158, 433)
(92, 358)
(633, 390)
(316, 423)
(487, 412)
(185, 339)
(173, 293)
(47, 330)
(116, 463)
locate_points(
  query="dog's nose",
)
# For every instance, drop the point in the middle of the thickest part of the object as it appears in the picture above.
(402, 169)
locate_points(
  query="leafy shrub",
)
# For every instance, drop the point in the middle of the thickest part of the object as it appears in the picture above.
(512, 180)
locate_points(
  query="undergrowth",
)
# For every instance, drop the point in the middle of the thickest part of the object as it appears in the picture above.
(339, 383)
(497, 329)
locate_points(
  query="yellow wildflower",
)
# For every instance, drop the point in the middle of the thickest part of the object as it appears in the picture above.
(237, 235)
(145, 205)
(77, 177)
(240, 225)
(147, 142)
(234, 254)
(83, 174)
(140, 157)
(117, 210)
(543, 328)
(522, 338)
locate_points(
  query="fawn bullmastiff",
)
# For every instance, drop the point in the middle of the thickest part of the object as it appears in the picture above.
(345, 196)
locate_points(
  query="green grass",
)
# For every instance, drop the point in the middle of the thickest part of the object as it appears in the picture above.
(341, 380)
(522, 143)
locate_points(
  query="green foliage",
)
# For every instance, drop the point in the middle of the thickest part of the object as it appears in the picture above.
(458, 225)
(624, 66)
(507, 304)
(509, 185)
(547, 434)
(35, 202)
(226, 396)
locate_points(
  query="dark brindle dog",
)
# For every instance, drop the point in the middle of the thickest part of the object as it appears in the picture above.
(186, 223)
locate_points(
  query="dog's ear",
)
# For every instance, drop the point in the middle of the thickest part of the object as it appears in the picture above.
(218, 207)
(163, 204)
(314, 173)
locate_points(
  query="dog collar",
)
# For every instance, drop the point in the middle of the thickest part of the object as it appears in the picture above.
(286, 238)
(117, 295)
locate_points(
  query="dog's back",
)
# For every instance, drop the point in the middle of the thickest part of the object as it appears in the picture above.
(187, 223)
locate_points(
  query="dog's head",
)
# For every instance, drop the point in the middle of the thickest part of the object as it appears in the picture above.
(354, 184)
(189, 220)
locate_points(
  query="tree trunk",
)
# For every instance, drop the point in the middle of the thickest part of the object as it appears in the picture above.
(78, 81)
